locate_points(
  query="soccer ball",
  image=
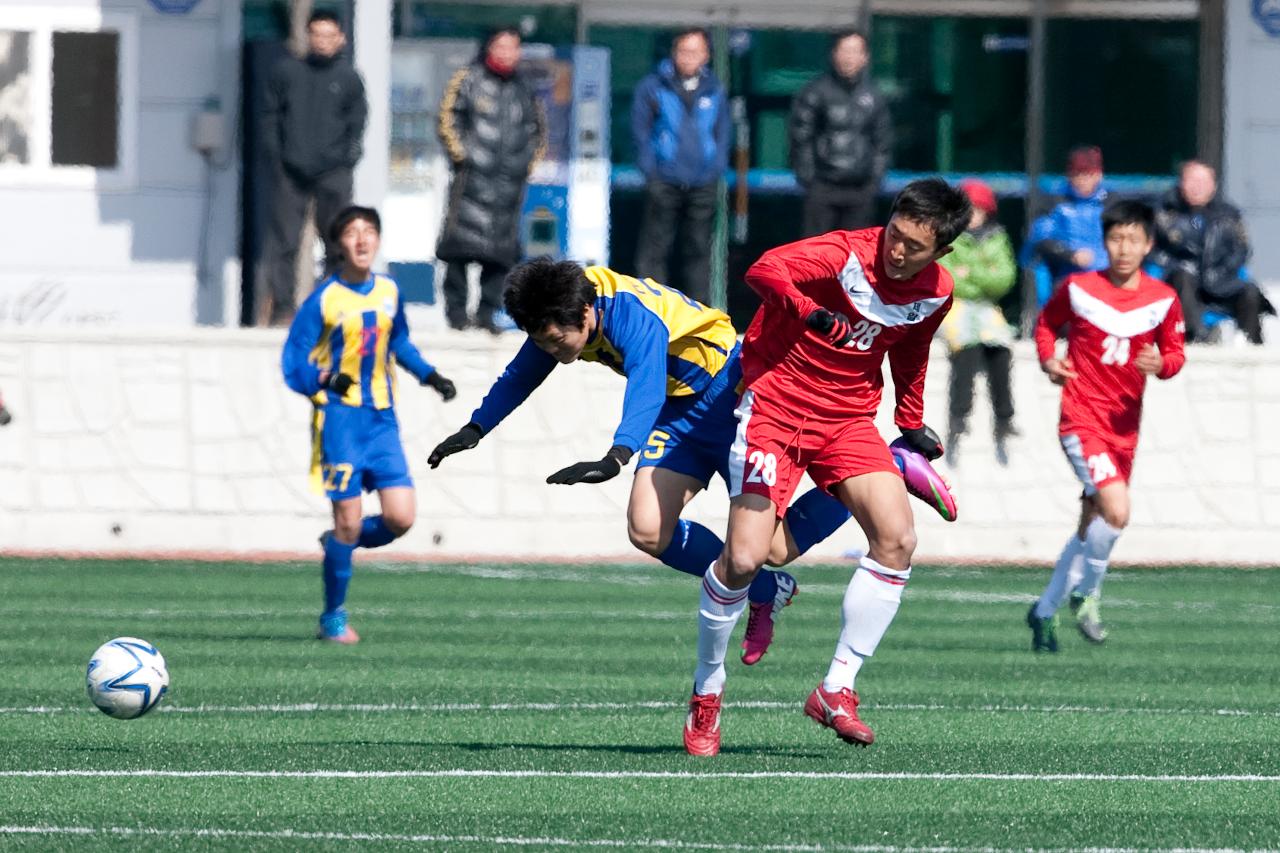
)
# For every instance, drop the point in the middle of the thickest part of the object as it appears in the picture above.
(127, 677)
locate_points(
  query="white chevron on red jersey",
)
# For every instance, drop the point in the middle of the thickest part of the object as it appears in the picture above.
(842, 272)
(1106, 327)
(866, 301)
(1112, 320)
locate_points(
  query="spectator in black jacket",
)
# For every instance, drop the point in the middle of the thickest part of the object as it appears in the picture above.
(1202, 246)
(313, 127)
(493, 130)
(841, 139)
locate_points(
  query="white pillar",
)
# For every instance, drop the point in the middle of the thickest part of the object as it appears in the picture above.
(373, 60)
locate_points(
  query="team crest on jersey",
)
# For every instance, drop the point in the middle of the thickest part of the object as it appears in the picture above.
(389, 307)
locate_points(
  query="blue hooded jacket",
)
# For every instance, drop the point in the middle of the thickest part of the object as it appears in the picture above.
(680, 139)
(1074, 223)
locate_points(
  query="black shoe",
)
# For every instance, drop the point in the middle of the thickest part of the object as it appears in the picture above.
(1007, 429)
(457, 323)
(5, 416)
(1044, 632)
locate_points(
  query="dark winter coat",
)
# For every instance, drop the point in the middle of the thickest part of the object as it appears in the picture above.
(1209, 242)
(313, 116)
(681, 136)
(492, 128)
(841, 133)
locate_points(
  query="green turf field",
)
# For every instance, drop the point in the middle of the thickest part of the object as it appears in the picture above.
(540, 707)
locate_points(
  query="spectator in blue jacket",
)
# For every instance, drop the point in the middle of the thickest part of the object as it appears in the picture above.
(1068, 239)
(680, 121)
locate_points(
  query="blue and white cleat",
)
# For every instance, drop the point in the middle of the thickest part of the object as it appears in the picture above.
(334, 629)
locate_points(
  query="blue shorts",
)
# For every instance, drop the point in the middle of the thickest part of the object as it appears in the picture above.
(356, 449)
(693, 434)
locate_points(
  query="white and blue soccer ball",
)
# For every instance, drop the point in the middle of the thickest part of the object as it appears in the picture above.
(127, 677)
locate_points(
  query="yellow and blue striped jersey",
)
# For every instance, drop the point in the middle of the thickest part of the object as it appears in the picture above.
(356, 329)
(699, 338)
(665, 343)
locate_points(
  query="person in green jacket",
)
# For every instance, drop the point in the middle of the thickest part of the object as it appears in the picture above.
(976, 332)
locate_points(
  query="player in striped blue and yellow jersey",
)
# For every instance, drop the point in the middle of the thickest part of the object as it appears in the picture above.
(341, 353)
(680, 360)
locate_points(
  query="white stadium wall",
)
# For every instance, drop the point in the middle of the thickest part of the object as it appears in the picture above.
(189, 441)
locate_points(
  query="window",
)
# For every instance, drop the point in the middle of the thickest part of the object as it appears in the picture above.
(68, 97)
(15, 97)
(85, 112)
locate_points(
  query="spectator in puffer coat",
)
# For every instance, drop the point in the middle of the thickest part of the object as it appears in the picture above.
(492, 128)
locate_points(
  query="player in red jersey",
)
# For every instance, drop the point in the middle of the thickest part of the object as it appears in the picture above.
(1121, 326)
(833, 307)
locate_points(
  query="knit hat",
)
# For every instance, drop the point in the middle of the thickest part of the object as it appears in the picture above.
(980, 195)
(1084, 159)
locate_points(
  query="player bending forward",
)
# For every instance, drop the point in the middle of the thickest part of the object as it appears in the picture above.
(680, 359)
(1121, 326)
(342, 346)
(834, 307)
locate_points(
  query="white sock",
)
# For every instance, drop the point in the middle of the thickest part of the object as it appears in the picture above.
(1099, 539)
(1066, 574)
(870, 602)
(718, 611)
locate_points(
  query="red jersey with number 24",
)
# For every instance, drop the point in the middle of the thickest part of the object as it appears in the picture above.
(785, 360)
(1106, 327)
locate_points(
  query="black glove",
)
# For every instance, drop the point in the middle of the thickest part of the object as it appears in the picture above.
(339, 383)
(445, 388)
(593, 472)
(832, 326)
(924, 441)
(464, 439)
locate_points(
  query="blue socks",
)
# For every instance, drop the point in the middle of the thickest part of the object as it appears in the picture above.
(374, 533)
(694, 547)
(337, 573)
(813, 517)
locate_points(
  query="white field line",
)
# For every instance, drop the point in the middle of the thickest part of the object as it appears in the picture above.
(559, 707)
(959, 596)
(801, 775)
(545, 841)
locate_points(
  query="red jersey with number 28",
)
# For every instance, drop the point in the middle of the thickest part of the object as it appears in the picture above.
(788, 362)
(1106, 327)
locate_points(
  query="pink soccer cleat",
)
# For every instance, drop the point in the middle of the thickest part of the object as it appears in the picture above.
(922, 481)
(760, 622)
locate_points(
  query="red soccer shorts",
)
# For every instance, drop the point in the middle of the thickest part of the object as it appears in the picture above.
(1096, 461)
(774, 447)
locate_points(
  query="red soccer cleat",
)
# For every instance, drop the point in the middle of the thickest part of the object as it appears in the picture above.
(839, 711)
(759, 632)
(702, 726)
